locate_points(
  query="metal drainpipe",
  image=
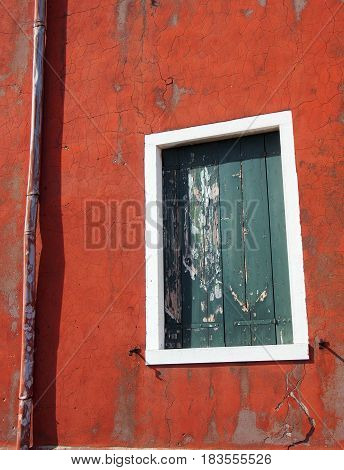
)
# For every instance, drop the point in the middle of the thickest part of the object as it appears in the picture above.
(29, 274)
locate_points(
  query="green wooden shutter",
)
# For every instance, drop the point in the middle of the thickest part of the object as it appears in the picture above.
(256, 234)
(279, 253)
(233, 256)
(225, 251)
(196, 177)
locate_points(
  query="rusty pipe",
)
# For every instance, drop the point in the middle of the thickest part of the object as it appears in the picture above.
(29, 262)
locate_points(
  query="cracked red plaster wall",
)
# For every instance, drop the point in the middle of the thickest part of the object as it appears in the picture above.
(133, 67)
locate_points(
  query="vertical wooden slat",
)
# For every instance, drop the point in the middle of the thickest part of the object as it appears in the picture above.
(235, 309)
(193, 269)
(278, 236)
(172, 264)
(213, 258)
(259, 287)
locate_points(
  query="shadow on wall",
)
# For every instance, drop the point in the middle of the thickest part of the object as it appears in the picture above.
(51, 266)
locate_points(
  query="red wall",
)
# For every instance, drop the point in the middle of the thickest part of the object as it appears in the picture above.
(116, 71)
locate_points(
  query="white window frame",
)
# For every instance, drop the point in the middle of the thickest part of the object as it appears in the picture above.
(154, 144)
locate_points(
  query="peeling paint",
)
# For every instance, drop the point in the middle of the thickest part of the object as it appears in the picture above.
(122, 12)
(122, 15)
(20, 57)
(124, 423)
(334, 406)
(11, 259)
(173, 21)
(186, 439)
(262, 296)
(311, 421)
(118, 158)
(117, 87)
(211, 391)
(299, 6)
(247, 12)
(243, 305)
(246, 431)
(290, 433)
(11, 417)
(212, 435)
(177, 93)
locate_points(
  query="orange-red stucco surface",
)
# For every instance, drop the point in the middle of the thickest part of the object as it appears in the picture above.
(115, 71)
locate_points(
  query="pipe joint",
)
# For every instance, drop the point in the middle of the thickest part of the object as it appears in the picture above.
(39, 24)
(25, 397)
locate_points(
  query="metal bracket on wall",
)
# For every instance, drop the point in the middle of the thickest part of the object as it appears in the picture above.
(135, 350)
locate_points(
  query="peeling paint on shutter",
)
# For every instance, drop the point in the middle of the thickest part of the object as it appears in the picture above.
(193, 259)
(213, 256)
(225, 252)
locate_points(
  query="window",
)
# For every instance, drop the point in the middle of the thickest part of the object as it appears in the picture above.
(223, 244)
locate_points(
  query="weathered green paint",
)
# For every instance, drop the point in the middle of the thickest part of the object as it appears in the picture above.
(234, 282)
(213, 258)
(193, 270)
(256, 233)
(225, 252)
(279, 254)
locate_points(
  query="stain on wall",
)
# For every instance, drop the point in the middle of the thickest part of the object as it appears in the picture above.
(299, 6)
(125, 416)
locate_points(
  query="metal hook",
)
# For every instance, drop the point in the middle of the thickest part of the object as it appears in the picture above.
(135, 350)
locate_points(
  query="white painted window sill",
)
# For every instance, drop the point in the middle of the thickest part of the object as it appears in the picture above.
(270, 353)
